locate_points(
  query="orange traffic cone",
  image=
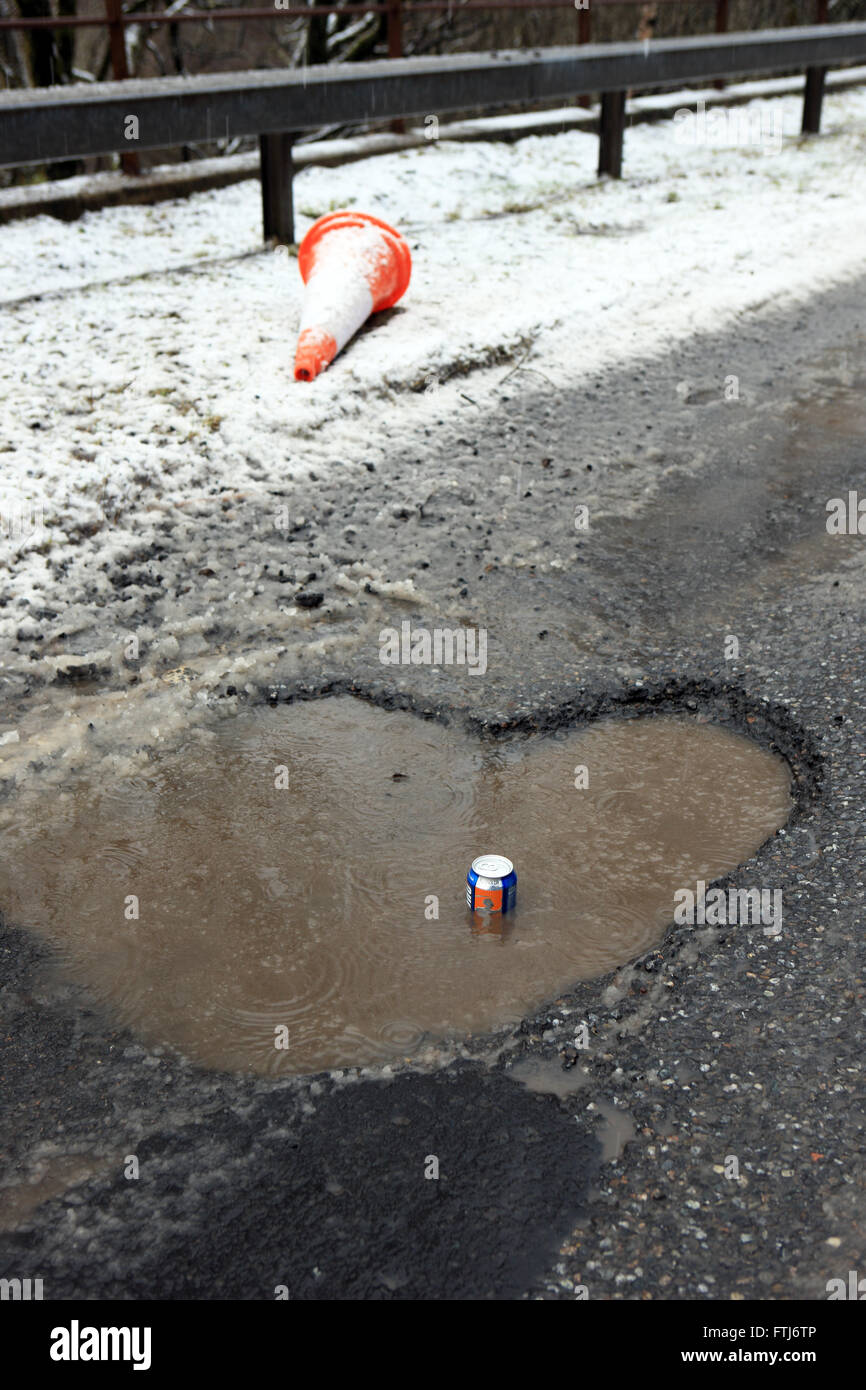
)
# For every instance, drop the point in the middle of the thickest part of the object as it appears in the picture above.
(352, 265)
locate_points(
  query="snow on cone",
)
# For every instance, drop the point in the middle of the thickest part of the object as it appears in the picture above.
(352, 265)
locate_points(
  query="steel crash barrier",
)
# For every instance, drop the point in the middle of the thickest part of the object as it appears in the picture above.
(56, 123)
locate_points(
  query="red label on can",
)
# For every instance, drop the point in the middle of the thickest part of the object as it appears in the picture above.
(488, 899)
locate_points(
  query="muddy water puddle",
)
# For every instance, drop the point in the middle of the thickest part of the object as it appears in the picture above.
(288, 894)
(52, 1178)
(550, 1078)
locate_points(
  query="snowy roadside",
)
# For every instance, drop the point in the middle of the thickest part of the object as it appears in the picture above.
(147, 365)
(68, 199)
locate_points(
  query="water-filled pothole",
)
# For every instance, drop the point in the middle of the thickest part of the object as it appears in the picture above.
(546, 1075)
(267, 898)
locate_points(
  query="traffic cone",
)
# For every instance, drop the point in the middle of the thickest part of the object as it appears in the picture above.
(353, 265)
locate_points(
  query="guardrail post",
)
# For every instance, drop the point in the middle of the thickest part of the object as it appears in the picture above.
(813, 96)
(129, 163)
(394, 27)
(611, 128)
(277, 168)
(813, 99)
(721, 28)
(584, 35)
(113, 15)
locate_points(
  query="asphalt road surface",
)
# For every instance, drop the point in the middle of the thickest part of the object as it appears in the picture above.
(707, 518)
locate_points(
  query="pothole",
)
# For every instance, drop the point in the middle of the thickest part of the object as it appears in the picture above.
(546, 1076)
(53, 1175)
(288, 892)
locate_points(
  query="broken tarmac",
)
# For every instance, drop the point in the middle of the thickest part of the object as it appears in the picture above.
(720, 1043)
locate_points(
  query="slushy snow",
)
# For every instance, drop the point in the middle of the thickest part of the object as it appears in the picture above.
(148, 351)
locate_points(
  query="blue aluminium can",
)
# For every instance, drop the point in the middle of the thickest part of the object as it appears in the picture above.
(491, 884)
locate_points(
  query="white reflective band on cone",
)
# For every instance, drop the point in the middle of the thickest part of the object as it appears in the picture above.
(337, 298)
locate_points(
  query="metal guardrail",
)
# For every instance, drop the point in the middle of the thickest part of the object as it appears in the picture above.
(102, 118)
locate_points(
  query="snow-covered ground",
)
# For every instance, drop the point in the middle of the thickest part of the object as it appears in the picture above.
(147, 362)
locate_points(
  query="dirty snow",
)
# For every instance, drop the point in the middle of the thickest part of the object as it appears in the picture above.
(147, 364)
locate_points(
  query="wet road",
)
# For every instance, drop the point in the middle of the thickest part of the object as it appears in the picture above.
(723, 1045)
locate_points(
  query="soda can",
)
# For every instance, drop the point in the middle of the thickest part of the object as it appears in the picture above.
(491, 884)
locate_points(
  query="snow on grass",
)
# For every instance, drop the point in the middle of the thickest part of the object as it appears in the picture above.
(155, 370)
